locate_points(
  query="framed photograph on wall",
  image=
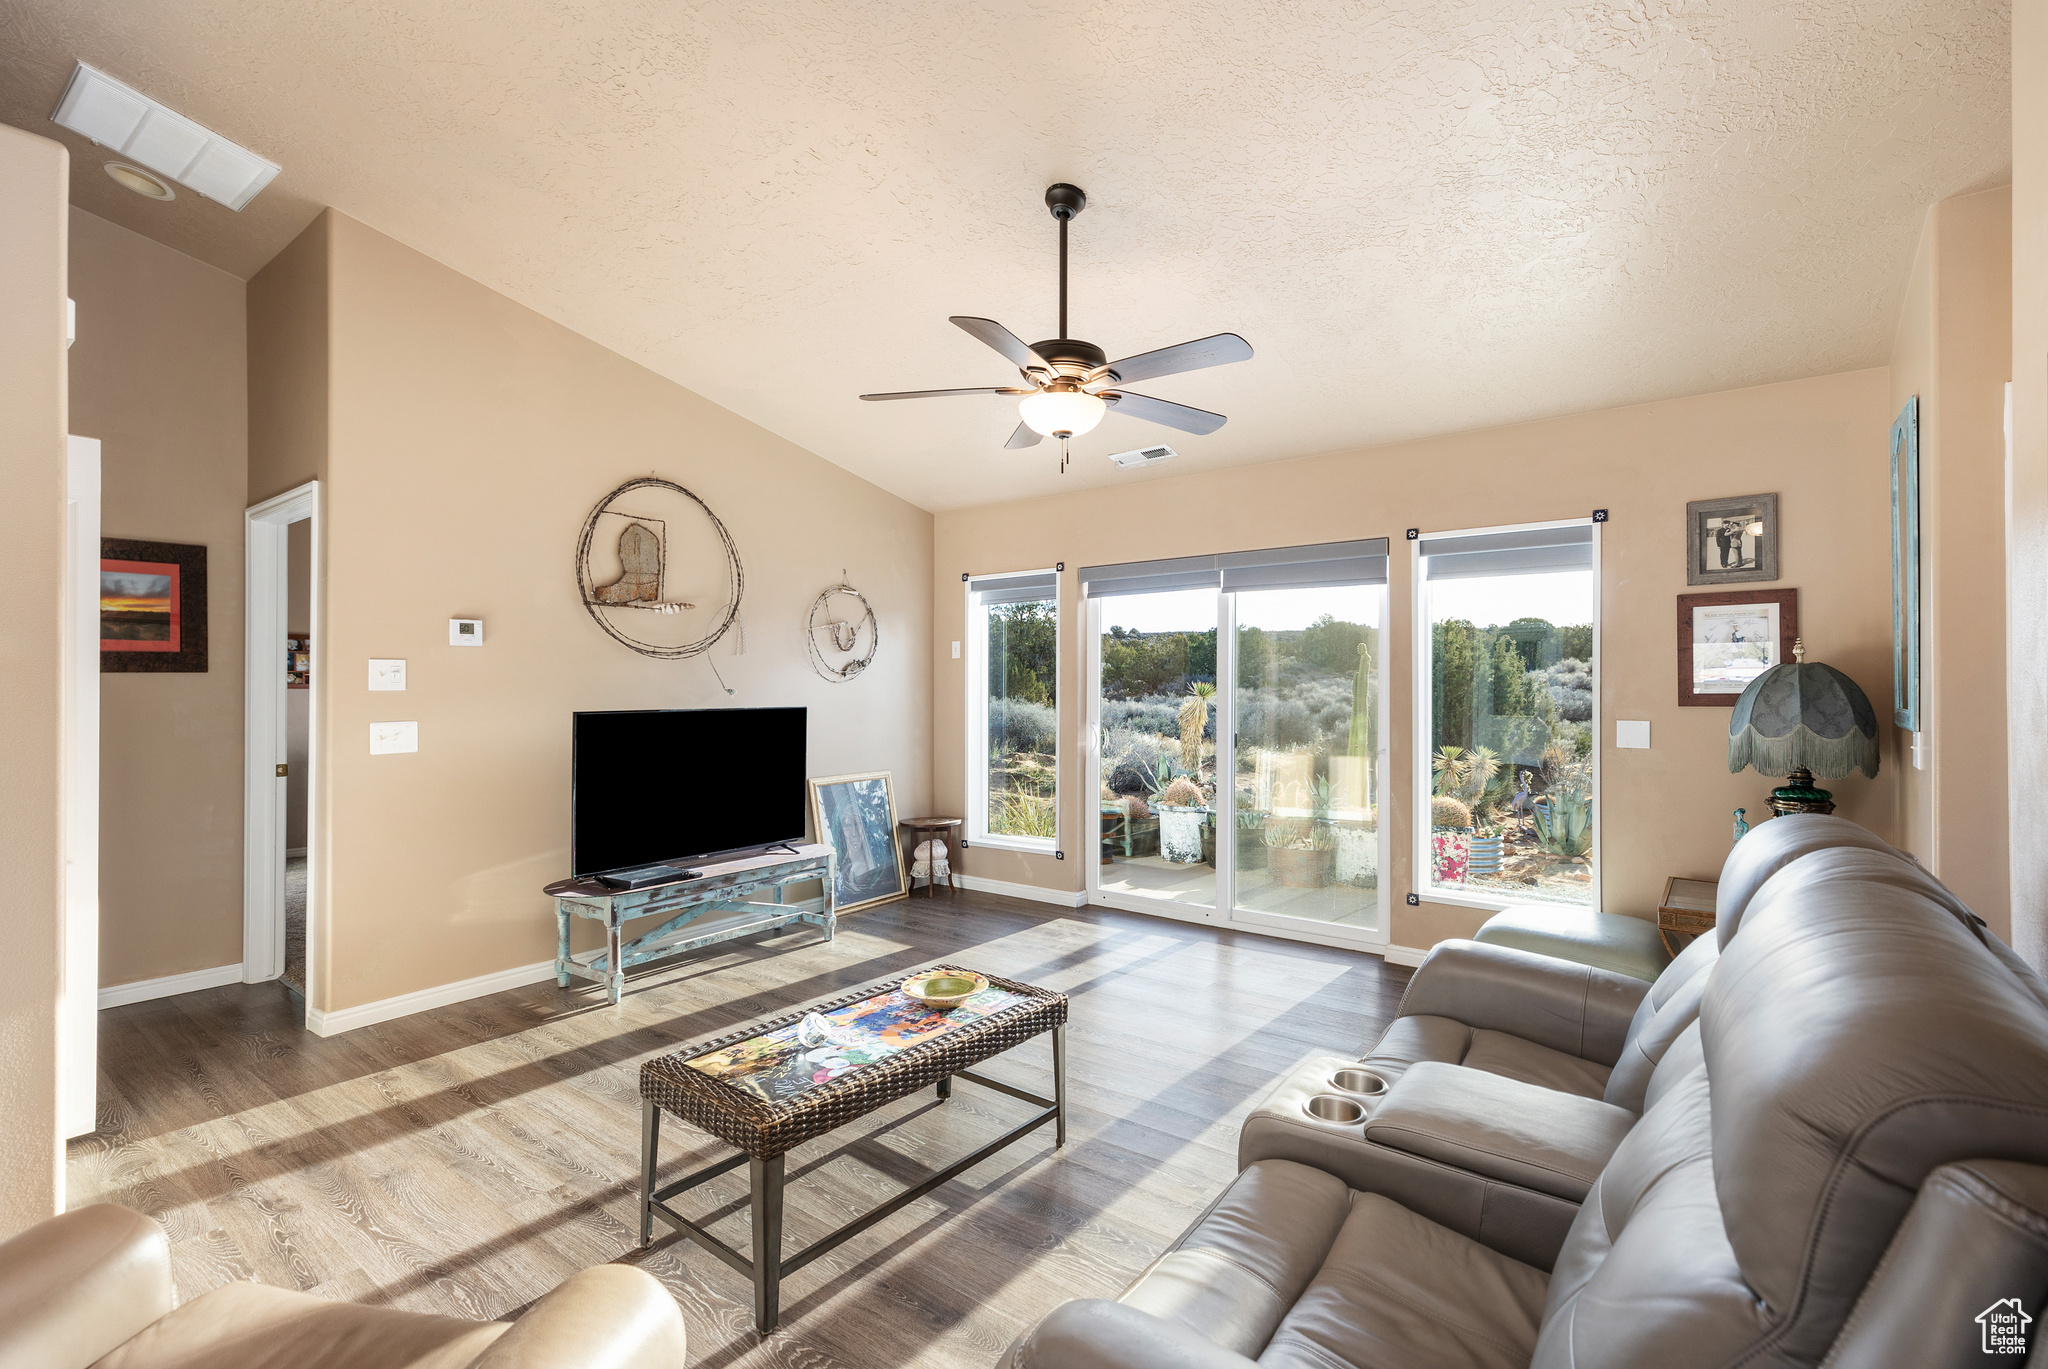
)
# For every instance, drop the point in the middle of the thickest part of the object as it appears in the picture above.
(1726, 640)
(1906, 567)
(855, 815)
(1731, 541)
(152, 607)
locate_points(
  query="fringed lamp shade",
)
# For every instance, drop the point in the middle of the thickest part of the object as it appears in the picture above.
(1803, 721)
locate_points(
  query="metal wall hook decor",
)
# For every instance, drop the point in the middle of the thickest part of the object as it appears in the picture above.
(842, 632)
(643, 560)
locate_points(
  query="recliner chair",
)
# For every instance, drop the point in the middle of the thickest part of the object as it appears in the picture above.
(1860, 1110)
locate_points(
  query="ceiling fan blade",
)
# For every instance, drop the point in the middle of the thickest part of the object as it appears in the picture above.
(1219, 350)
(1023, 437)
(1004, 341)
(1181, 416)
(933, 394)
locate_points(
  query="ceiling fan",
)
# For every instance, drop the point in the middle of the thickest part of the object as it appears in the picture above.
(1069, 385)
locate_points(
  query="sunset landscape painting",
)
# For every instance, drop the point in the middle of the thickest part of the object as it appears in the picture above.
(138, 606)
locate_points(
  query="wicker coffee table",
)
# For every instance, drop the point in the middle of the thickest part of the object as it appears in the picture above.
(765, 1089)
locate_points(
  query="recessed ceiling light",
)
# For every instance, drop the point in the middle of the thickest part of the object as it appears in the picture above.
(140, 181)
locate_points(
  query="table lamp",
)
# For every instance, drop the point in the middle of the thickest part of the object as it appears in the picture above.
(1802, 721)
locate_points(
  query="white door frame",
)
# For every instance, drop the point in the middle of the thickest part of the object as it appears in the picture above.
(266, 625)
(79, 989)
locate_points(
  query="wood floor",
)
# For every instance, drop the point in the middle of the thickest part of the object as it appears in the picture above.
(469, 1159)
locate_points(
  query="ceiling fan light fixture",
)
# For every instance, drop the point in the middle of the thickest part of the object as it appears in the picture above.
(1062, 413)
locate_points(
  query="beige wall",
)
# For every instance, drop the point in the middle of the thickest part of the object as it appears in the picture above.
(1952, 349)
(288, 367)
(34, 174)
(2026, 567)
(469, 439)
(159, 375)
(1820, 444)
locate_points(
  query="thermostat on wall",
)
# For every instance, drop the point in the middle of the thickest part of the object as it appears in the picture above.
(465, 632)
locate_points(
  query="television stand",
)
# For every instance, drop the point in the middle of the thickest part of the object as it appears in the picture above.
(716, 905)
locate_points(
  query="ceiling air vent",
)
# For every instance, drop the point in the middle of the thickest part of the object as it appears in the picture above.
(165, 141)
(1144, 456)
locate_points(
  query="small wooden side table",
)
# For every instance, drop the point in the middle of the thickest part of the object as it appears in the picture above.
(923, 829)
(1687, 909)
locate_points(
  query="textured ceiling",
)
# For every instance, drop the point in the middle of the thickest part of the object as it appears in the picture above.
(1425, 215)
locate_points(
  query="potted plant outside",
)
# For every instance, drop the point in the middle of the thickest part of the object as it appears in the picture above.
(1182, 817)
(1251, 846)
(1300, 854)
(1450, 835)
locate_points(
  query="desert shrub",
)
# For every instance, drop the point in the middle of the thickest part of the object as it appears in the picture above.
(1155, 714)
(1445, 811)
(1131, 760)
(1022, 815)
(1014, 725)
(1182, 793)
(1570, 683)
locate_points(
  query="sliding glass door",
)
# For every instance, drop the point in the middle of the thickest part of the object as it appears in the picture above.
(1307, 728)
(1156, 659)
(1237, 738)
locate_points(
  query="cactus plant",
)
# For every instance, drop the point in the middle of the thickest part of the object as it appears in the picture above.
(1182, 793)
(1445, 811)
(1194, 720)
(1564, 822)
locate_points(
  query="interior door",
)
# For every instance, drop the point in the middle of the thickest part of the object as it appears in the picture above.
(78, 1010)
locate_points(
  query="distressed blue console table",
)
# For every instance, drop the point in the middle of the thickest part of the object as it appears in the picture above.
(717, 906)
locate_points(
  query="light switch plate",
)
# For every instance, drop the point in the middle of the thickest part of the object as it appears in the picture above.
(389, 739)
(387, 674)
(465, 632)
(1632, 735)
(956, 651)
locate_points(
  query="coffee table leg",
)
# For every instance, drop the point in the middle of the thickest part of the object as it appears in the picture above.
(946, 1086)
(650, 1151)
(1059, 1084)
(766, 1177)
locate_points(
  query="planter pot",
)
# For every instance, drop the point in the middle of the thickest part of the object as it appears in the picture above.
(1358, 855)
(1180, 833)
(1208, 838)
(1450, 853)
(1138, 837)
(1300, 869)
(1251, 850)
(1485, 856)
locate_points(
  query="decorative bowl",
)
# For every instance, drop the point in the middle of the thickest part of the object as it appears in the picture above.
(944, 988)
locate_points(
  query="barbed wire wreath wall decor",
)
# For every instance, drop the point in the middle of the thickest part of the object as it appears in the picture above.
(841, 633)
(643, 560)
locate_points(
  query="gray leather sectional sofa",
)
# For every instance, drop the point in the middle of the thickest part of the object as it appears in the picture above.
(1820, 1137)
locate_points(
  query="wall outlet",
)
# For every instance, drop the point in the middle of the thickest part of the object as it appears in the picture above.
(465, 632)
(389, 739)
(387, 674)
(956, 651)
(1633, 736)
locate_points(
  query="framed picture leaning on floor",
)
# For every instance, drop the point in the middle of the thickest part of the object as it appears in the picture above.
(855, 815)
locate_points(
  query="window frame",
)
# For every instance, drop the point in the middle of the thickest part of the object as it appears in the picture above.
(977, 833)
(1421, 872)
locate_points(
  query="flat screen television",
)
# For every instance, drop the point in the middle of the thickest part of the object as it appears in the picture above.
(683, 786)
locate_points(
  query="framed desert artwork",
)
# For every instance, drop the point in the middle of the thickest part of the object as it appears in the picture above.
(1726, 640)
(152, 607)
(1731, 541)
(856, 817)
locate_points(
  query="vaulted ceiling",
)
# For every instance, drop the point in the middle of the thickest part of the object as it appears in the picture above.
(1425, 215)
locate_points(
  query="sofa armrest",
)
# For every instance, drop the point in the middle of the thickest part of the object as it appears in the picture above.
(1573, 1008)
(1096, 1334)
(74, 1288)
(1500, 1128)
(610, 1316)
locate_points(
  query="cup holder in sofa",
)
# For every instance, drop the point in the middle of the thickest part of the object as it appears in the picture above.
(1364, 1083)
(1329, 1107)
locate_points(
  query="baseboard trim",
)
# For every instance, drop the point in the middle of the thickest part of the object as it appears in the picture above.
(143, 990)
(1065, 898)
(406, 1004)
(1404, 955)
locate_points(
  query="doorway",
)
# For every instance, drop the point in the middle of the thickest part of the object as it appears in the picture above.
(282, 623)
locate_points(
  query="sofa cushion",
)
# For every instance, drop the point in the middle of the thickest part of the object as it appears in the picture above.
(1236, 1271)
(1500, 1128)
(1399, 1292)
(1610, 941)
(1411, 1040)
(1769, 848)
(251, 1326)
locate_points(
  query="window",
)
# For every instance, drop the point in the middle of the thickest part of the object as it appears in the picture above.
(1013, 710)
(1505, 795)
